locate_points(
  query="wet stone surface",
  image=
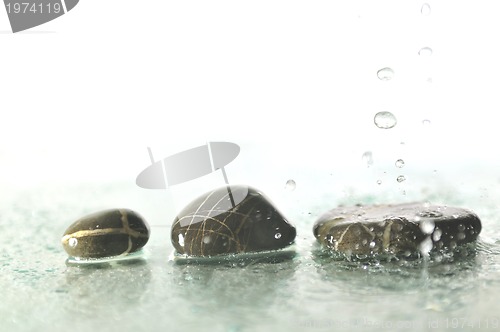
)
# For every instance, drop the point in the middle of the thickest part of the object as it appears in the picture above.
(230, 220)
(401, 229)
(106, 233)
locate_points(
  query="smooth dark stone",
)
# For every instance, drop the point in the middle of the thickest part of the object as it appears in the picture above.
(106, 234)
(230, 220)
(396, 229)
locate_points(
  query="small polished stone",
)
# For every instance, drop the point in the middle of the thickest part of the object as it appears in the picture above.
(230, 220)
(106, 233)
(399, 229)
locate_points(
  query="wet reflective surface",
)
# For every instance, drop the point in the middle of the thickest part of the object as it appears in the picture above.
(309, 290)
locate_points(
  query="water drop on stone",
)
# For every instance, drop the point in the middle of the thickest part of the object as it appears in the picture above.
(367, 158)
(290, 185)
(425, 51)
(385, 74)
(401, 178)
(426, 9)
(400, 163)
(277, 236)
(73, 242)
(427, 226)
(181, 240)
(385, 120)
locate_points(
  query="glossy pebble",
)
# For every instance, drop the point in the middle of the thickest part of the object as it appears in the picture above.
(396, 229)
(230, 220)
(106, 233)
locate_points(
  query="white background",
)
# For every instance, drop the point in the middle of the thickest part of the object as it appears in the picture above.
(292, 82)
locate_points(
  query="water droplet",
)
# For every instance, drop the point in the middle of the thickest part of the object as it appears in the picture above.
(427, 226)
(426, 9)
(72, 242)
(425, 51)
(367, 158)
(290, 185)
(385, 74)
(426, 246)
(207, 239)
(401, 178)
(277, 236)
(460, 236)
(379, 182)
(437, 235)
(372, 244)
(385, 120)
(426, 122)
(461, 228)
(400, 163)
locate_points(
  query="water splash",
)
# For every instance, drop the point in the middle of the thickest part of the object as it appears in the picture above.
(427, 226)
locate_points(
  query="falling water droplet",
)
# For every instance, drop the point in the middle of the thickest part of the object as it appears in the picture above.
(385, 120)
(385, 74)
(290, 185)
(401, 178)
(400, 163)
(379, 182)
(425, 51)
(277, 236)
(427, 226)
(367, 158)
(426, 122)
(426, 9)
(372, 244)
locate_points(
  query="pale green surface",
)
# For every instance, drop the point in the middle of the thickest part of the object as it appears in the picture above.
(39, 292)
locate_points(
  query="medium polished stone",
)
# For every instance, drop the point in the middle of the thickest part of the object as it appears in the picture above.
(106, 234)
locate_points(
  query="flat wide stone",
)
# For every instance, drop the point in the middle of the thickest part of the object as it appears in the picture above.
(400, 229)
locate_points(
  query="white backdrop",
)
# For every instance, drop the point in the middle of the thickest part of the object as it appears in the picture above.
(293, 82)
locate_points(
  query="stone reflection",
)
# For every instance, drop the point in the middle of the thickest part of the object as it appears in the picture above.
(93, 288)
(225, 291)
